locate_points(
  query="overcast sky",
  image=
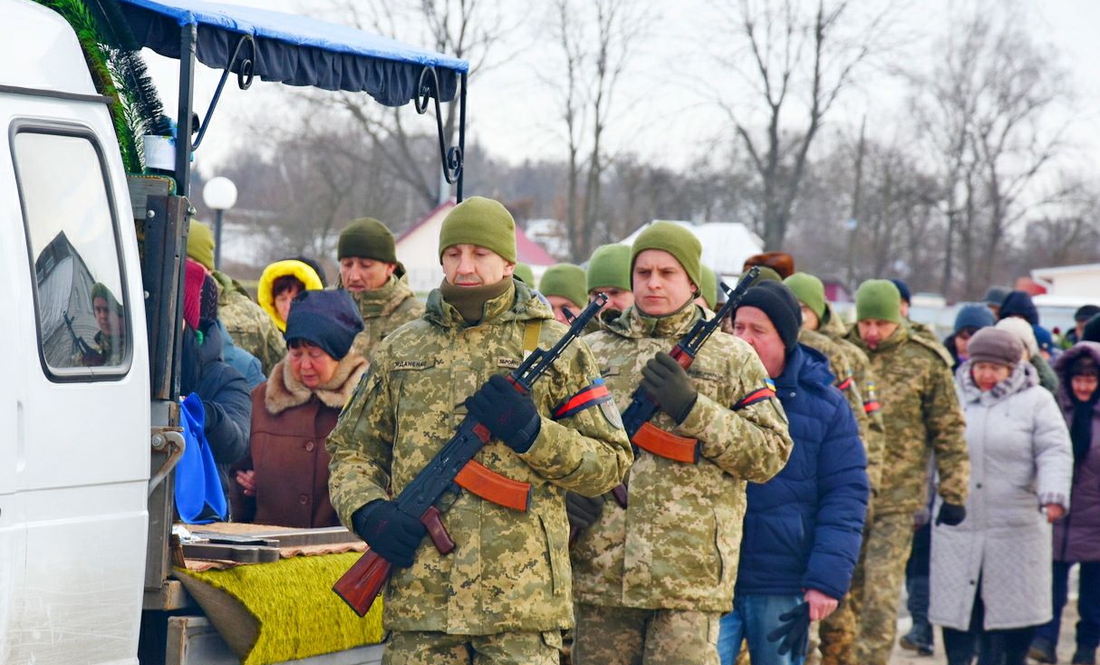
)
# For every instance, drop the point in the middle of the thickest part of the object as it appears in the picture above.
(512, 113)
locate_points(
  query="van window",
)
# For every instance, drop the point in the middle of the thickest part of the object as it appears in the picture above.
(83, 323)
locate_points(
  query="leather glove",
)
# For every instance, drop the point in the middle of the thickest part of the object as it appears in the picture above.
(510, 415)
(582, 511)
(389, 532)
(669, 384)
(793, 634)
(950, 514)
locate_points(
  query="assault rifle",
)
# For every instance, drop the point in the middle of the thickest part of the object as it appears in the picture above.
(453, 467)
(88, 356)
(647, 436)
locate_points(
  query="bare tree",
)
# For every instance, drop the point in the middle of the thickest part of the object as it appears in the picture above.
(596, 41)
(797, 58)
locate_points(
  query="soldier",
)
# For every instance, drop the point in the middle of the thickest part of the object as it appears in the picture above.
(922, 329)
(854, 377)
(922, 414)
(563, 286)
(708, 289)
(654, 578)
(246, 322)
(609, 273)
(371, 273)
(503, 596)
(108, 347)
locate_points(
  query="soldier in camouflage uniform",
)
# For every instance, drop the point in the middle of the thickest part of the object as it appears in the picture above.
(245, 321)
(504, 595)
(371, 273)
(653, 579)
(852, 368)
(922, 415)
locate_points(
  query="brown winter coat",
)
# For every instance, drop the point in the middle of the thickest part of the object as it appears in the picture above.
(290, 425)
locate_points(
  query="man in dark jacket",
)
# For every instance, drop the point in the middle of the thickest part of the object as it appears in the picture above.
(802, 528)
(225, 395)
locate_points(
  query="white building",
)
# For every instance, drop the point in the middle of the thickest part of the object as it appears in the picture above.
(1080, 281)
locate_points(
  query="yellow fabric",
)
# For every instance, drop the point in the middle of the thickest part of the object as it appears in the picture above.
(531, 333)
(299, 616)
(303, 272)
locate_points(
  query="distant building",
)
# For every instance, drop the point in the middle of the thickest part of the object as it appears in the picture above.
(1080, 281)
(418, 250)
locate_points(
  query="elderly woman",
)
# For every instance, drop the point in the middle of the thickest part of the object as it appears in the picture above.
(284, 479)
(991, 573)
(1077, 538)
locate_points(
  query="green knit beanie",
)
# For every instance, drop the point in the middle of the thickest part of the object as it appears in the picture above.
(367, 238)
(674, 239)
(709, 287)
(809, 290)
(610, 267)
(100, 290)
(200, 244)
(878, 299)
(525, 274)
(565, 280)
(482, 222)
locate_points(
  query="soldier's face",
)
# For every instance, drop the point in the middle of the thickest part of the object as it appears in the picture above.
(661, 285)
(874, 331)
(473, 265)
(809, 318)
(105, 316)
(616, 298)
(361, 274)
(311, 365)
(987, 375)
(755, 327)
(559, 303)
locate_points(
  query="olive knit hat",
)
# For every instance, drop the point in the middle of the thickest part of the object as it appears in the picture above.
(609, 267)
(200, 244)
(367, 238)
(565, 280)
(524, 273)
(674, 239)
(809, 290)
(878, 299)
(709, 288)
(482, 222)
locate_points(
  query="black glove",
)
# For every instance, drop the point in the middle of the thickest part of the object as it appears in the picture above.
(509, 414)
(950, 514)
(582, 511)
(389, 532)
(793, 634)
(669, 384)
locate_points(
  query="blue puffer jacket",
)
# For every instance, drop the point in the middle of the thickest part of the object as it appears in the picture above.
(803, 527)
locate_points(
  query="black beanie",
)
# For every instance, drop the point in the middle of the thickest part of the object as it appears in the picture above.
(1092, 330)
(1018, 303)
(328, 319)
(777, 301)
(903, 289)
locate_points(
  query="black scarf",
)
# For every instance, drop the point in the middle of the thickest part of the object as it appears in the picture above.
(1080, 431)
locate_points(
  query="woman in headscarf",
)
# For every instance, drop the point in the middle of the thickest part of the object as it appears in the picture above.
(281, 282)
(284, 478)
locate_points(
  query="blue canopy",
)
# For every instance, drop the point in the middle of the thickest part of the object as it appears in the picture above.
(291, 49)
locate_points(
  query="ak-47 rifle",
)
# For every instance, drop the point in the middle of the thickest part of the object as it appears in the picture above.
(453, 467)
(647, 436)
(88, 356)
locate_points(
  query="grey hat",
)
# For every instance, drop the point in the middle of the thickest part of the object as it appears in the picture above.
(996, 295)
(995, 345)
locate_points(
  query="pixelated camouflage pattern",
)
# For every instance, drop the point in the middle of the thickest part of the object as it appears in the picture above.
(677, 544)
(248, 324)
(889, 539)
(919, 329)
(513, 648)
(384, 310)
(922, 413)
(510, 570)
(837, 632)
(844, 359)
(625, 636)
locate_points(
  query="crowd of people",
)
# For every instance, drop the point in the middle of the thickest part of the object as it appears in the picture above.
(799, 472)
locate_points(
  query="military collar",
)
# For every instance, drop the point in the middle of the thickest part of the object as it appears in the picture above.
(517, 301)
(900, 336)
(633, 323)
(380, 301)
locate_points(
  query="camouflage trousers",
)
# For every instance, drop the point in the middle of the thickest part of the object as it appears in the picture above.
(889, 539)
(837, 632)
(628, 636)
(427, 648)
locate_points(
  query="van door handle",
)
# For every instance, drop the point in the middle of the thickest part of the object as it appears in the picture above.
(173, 441)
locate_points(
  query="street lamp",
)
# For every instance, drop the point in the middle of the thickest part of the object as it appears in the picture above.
(219, 194)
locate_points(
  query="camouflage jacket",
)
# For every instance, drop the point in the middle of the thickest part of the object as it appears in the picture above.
(843, 359)
(864, 377)
(922, 414)
(384, 310)
(676, 544)
(248, 324)
(511, 569)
